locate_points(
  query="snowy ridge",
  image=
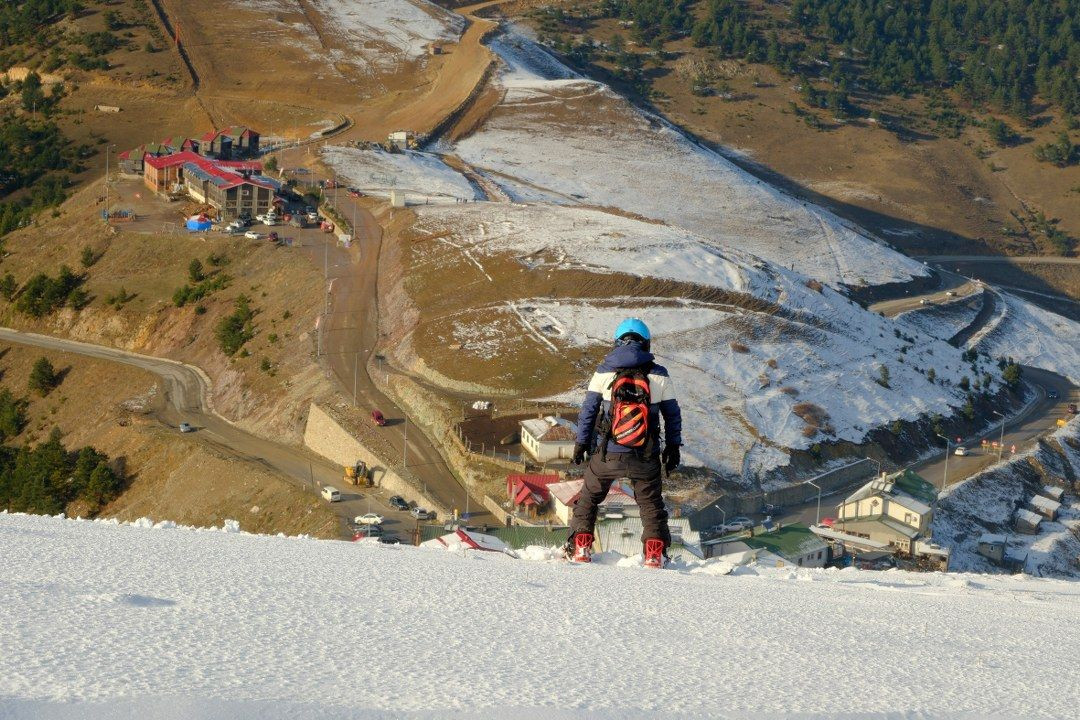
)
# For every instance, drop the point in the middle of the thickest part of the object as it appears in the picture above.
(104, 621)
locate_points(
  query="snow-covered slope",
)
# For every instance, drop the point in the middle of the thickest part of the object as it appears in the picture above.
(108, 621)
(423, 176)
(748, 373)
(385, 31)
(1033, 336)
(559, 137)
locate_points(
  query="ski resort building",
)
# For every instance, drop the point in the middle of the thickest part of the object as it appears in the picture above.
(894, 509)
(232, 188)
(548, 438)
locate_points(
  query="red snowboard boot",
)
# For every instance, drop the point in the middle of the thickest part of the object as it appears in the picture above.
(582, 548)
(654, 553)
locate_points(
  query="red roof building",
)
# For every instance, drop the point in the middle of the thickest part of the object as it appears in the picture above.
(529, 493)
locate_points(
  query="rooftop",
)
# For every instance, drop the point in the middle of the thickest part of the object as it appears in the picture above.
(1028, 516)
(550, 429)
(1045, 503)
(992, 539)
(791, 541)
(567, 492)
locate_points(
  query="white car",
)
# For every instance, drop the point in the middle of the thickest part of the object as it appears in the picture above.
(185, 427)
(252, 235)
(960, 450)
(420, 513)
(368, 519)
(331, 494)
(737, 524)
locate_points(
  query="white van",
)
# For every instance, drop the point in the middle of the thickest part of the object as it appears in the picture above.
(331, 494)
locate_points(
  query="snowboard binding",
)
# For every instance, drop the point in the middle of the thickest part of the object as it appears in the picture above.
(654, 553)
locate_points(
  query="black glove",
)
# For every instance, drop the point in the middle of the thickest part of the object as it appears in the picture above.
(670, 457)
(579, 453)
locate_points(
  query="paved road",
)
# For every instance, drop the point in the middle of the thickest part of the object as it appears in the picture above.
(949, 282)
(1018, 259)
(186, 399)
(350, 336)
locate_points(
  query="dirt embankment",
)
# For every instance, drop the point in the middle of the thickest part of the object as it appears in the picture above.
(172, 476)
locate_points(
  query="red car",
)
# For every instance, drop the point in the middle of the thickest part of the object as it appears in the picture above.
(828, 522)
(378, 418)
(355, 194)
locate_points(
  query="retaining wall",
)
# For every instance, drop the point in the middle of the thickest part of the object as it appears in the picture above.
(324, 435)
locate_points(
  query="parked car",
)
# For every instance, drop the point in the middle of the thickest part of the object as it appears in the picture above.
(272, 237)
(368, 519)
(828, 522)
(1072, 408)
(398, 503)
(186, 427)
(960, 450)
(252, 235)
(771, 509)
(421, 514)
(355, 194)
(1052, 395)
(950, 293)
(244, 219)
(331, 494)
(378, 418)
(389, 540)
(737, 524)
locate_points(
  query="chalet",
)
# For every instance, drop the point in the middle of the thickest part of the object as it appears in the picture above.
(548, 438)
(235, 141)
(216, 144)
(1055, 493)
(131, 161)
(894, 509)
(619, 500)
(529, 493)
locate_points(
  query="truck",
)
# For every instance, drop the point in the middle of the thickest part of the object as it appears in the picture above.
(355, 474)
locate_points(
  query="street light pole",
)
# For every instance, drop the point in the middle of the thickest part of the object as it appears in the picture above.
(405, 445)
(817, 520)
(945, 476)
(1001, 438)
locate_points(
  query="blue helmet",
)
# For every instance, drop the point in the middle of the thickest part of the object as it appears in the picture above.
(633, 326)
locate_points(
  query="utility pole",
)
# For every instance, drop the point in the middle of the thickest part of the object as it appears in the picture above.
(817, 521)
(355, 361)
(405, 446)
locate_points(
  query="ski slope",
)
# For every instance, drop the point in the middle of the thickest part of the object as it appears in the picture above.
(422, 176)
(562, 138)
(126, 621)
(403, 27)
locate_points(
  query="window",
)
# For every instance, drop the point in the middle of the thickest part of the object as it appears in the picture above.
(800, 562)
(818, 554)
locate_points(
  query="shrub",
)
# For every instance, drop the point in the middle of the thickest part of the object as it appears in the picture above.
(88, 257)
(811, 414)
(788, 390)
(43, 377)
(883, 376)
(235, 329)
(12, 414)
(1011, 374)
(814, 285)
(965, 383)
(809, 431)
(8, 286)
(931, 374)
(739, 347)
(43, 294)
(772, 363)
(195, 271)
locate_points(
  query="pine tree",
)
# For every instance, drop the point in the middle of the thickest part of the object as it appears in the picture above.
(43, 377)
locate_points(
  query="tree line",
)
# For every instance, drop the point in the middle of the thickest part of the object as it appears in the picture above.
(1004, 52)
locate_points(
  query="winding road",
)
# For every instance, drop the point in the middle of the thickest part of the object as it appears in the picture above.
(187, 399)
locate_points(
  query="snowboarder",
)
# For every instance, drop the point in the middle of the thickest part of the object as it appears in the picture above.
(619, 430)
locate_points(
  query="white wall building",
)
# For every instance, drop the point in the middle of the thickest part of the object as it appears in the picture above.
(548, 438)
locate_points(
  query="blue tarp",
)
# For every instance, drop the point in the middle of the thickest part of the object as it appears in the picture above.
(198, 225)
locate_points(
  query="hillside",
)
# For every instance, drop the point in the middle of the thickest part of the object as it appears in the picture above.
(211, 623)
(596, 211)
(915, 124)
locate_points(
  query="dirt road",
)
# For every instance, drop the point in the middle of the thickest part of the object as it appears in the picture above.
(958, 285)
(186, 391)
(1018, 259)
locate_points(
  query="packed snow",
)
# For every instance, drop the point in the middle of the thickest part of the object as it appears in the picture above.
(104, 620)
(405, 28)
(423, 177)
(1033, 336)
(559, 137)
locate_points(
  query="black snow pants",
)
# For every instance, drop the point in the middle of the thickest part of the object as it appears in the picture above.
(644, 476)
